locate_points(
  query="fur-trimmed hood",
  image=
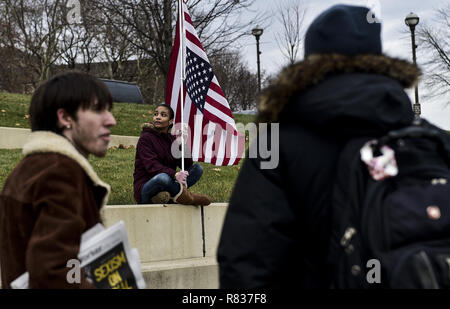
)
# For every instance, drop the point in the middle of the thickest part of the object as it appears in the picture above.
(148, 125)
(386, 78)
(46, 141)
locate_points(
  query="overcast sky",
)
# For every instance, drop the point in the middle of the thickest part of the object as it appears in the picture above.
(396, 40)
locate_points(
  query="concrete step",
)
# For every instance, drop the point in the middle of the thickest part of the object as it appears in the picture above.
(177, 244)
(169, 232)
(196, 273)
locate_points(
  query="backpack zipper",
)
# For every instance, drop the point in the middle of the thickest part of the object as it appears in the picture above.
(438, 181)
(348, 235)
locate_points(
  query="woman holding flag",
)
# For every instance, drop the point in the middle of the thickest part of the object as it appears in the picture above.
(194, 99)
(155, 177)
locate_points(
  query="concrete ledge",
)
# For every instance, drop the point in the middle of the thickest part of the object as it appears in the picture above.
(14, 138)
(169, 232)
(214, 216)
(197, 273)
(160, 232)
(170, 242)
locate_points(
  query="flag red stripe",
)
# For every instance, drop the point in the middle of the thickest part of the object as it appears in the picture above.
(214, 118)
(188, 19)
(219, 106)
(193, 39)
(172, 68)
(204, 137)
(227, 153)
(217, 89)
(191, 123)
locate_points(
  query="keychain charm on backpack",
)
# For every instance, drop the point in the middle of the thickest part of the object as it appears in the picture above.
(380, 167)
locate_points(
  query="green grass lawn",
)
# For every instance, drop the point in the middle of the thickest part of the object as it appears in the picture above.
(14, 110)
(129, 116)
(117, 167)
(117, 170)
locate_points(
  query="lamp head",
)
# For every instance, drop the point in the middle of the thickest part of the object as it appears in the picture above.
(411, 20)
(257, 32)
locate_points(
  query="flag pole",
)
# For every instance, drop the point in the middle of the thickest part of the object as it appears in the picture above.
(181, 28)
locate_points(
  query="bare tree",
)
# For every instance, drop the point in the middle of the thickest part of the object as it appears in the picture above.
(8, 32)
(290, 15)
(153, 22)
(39, 26)
(113, 34)
(126, 39)
(435, 44)
(116, 51)
(79, 43)
(8, 69)
(231, 71)
(91, 27)
(71, 44)
(220, 23)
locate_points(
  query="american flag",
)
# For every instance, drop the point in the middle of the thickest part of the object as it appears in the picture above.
(212, 134)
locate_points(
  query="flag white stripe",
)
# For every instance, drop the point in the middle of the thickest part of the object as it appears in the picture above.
(221, 152)
(187, 109)
(215, 81)
(209, 143)
(233, 149)
(176, 86)
(219, 114)
(221, 99)
(198, 119)
(190, 28)
(217, 97)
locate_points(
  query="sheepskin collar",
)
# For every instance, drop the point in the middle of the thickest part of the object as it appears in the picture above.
(46, 141)
(315, 68)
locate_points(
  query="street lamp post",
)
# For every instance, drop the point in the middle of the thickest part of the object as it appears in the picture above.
(257, 32)
(411, 20)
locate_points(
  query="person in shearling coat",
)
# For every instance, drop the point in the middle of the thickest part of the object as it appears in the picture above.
(54, 195)
(277, 228)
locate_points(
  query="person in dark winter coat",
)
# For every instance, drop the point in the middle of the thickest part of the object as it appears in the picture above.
(54, 195)
(277, 228)
(155, 177)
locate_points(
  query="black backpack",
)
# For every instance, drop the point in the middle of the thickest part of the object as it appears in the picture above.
(395, 232)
